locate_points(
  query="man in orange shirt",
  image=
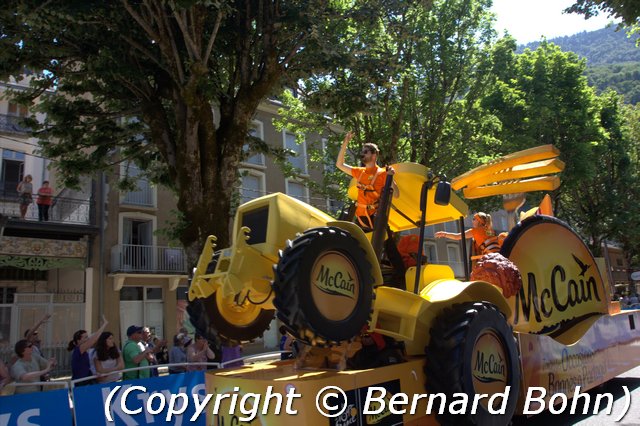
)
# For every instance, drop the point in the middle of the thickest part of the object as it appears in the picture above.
(370, 180)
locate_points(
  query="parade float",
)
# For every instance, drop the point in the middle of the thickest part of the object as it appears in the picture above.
(539, 315)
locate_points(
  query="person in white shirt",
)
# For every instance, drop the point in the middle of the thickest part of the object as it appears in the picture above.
(108, 359)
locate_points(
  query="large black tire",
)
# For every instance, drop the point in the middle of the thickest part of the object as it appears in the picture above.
(216, 317)
(308, 301)
(197, 309)
(200, 318)
(472, 350)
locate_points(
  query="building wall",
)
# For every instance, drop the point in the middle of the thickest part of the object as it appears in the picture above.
(26, 294)
(274, 179)
(619, 270)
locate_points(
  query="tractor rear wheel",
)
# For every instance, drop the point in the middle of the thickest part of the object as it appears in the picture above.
(238, 320)
(197, 309)
(228, 317)
(324, 286)
(473, 351)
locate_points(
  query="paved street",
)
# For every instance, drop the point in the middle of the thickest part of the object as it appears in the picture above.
(631, 380)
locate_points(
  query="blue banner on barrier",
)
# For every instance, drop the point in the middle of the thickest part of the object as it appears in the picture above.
(172, 399)
(41, 408)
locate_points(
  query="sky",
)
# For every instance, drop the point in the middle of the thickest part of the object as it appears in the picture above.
(529, 20)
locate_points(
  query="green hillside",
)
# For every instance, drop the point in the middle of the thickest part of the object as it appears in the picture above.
(613, 60)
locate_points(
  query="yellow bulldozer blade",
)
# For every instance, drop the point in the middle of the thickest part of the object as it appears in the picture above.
(524, 171)
(546, 183)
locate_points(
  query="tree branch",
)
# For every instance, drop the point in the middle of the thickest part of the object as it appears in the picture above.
(180, 18)
(148, 29)
(212, 38)
(294, 49)
(147, 53)
(173, 49)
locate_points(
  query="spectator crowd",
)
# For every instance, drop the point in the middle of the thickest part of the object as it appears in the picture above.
(97, 358)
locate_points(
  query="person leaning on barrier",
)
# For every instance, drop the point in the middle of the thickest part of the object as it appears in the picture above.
(25, 194)
(134, 356)
(44, 201)
(178, 354)
(286, 344)
(162, 353)
(31, 334)
(29, 367)
(79, 347)
(199, 351)
(5, 376)
(231, 350)
(147, 342)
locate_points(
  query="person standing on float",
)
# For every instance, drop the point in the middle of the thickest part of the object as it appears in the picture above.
(370, 181)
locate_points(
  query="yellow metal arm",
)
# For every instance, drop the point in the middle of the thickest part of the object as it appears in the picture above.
(524, 171)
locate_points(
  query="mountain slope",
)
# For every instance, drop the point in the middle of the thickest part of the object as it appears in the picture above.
(613, 60)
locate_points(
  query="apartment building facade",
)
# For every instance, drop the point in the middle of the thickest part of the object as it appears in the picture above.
(45, 266)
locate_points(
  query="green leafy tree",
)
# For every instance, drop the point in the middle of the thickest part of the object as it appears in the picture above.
(628, 11)
(410, 84)
(627, 226)
(139, 81)
(542, 97)
(600, 209)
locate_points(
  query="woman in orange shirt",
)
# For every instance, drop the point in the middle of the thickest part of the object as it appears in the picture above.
(484, 237)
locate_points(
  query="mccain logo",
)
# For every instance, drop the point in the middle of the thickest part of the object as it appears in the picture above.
(336, 283)
(490, 369)
(372, 419)
(563, 293)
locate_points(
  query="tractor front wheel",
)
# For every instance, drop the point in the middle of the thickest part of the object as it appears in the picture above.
(473, 351)
(324, 286)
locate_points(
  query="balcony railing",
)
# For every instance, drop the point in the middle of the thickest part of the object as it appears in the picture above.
(11, 123)
(142, 197)
(63, 210)
(148, 259)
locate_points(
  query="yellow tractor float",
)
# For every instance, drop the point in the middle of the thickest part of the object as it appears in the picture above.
(324, 280)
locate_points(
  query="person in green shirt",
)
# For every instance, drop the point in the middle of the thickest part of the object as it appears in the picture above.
(134, 355)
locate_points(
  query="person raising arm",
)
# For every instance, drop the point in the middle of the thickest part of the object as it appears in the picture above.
(78, 346)
(484, 237)
(370, 180)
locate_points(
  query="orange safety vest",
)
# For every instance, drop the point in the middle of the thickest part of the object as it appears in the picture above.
(370, 183)
(484, 243)
(408, 247)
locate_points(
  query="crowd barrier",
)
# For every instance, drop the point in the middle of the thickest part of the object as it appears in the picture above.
(69, 403)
